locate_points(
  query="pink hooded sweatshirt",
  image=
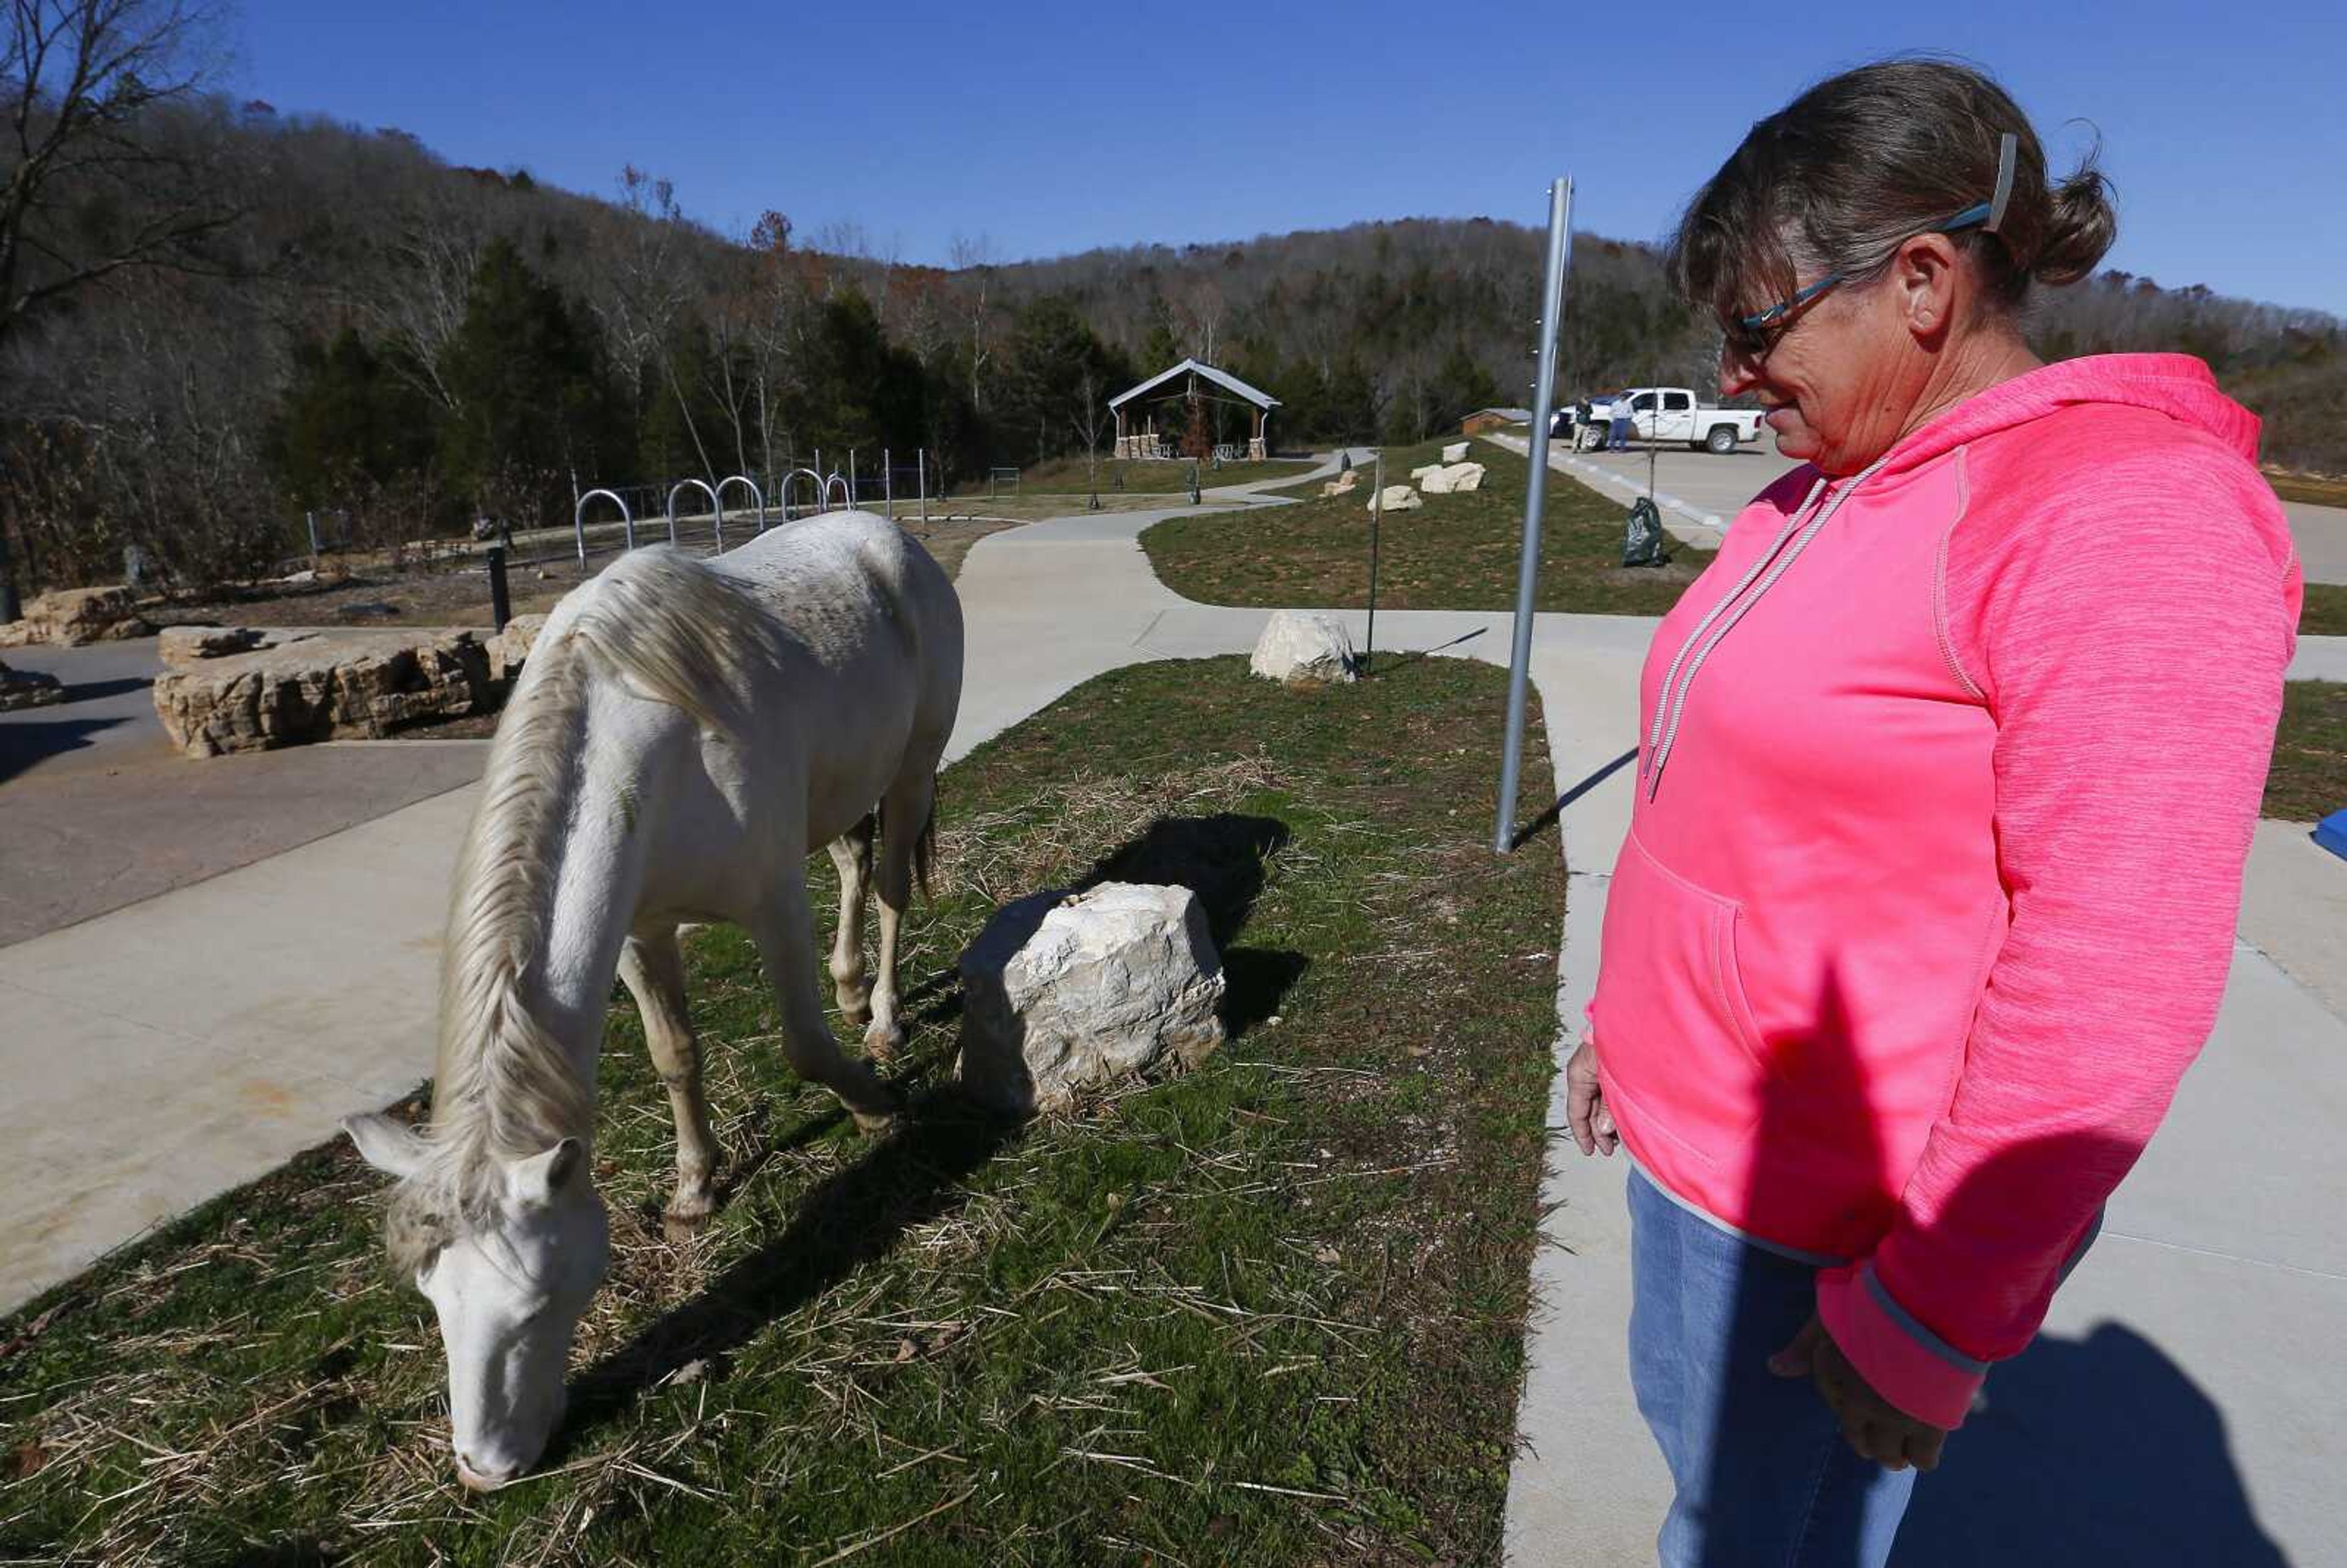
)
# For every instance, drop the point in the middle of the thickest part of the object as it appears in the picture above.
(1946, 778)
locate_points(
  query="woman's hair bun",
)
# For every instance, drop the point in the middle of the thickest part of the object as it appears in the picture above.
(2081, 224)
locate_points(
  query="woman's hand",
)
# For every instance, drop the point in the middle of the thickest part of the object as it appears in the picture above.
(1876, 1427)
(1584, 1103)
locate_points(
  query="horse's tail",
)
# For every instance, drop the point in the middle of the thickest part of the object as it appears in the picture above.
(925, 843)
(924, 849)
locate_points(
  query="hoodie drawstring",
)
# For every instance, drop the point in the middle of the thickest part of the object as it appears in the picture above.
(1670, 708)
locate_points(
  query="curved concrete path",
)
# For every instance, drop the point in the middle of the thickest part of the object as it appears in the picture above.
(216, 1030)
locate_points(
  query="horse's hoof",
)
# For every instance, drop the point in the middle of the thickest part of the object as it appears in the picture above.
(684, 1226)
(872, 1126)
(883, 1041)
(856, 1017)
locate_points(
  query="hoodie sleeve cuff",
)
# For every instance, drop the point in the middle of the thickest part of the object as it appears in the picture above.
(1905, 1362)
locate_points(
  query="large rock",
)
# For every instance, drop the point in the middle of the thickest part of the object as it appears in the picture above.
(1342, 485)
(1397, 498)
(73, 616)
(27, 689)
(356, 687)
(1301, 649)
(1455, 453)
(1423, 470)
(508, 648)
(1456, 477)
(1064, 994)
(184, 647)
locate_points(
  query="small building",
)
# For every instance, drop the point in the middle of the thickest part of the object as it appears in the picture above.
(1135, 408)
(1484, 419)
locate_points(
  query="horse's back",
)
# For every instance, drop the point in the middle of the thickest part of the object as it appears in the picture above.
(836, 581)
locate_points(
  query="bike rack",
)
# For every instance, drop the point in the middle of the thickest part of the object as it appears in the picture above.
(790, 514)
(841, 481)
(579, 519)
(715, 505)
(756, 495)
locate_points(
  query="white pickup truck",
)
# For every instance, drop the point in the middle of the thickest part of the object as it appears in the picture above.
(1670, 414)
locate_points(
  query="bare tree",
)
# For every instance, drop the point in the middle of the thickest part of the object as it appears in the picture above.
(651, 292)
(91, 191)
(1088, 415)
(973, 261)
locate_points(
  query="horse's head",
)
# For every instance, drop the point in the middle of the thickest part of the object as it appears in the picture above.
(510, 1274)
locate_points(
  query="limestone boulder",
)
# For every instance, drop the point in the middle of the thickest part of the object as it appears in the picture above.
(1455, 453)
(71, 617)
(1064, 994)
(1397, 498)
(184, 647)
(508, 648)
(1421, 474)
(361, 686)
(27, 689)
(1457, 477)
(1342, 485)
(1300, 649)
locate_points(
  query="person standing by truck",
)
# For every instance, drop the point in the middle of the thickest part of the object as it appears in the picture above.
(1929, 892)
(1617, 424)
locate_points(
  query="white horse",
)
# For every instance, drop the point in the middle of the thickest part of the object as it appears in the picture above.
(683, 734)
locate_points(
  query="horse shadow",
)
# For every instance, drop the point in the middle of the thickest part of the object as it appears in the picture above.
(854, 1216)
(915, 1175)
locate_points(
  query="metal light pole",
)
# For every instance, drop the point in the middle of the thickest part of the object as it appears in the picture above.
(921, 471)
(1377, 515)
(887, 485)
(1560, 257)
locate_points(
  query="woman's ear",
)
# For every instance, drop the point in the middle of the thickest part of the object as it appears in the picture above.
(1927, 276)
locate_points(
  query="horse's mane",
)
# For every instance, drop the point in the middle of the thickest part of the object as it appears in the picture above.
(671, 629)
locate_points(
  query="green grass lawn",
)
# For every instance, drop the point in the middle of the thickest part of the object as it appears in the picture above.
(1069, 476)
(1455, 552)
(1267, 1313)
(2308, 780)
(2325, 614)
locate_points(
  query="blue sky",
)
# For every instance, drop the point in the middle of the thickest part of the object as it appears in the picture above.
(1052, 128)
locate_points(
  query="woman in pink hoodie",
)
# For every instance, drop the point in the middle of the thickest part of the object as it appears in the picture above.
(1949, 764)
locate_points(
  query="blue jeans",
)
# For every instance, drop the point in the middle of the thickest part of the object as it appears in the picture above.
(1617, 435)
(1762, 1471)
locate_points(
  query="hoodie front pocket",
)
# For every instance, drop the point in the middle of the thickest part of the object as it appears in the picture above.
(1674, 1034)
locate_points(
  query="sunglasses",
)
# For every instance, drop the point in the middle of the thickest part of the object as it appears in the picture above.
(1751, 337)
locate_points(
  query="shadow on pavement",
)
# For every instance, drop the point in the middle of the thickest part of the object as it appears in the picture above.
(24, 746)
(91, 691)
(2099, 1450)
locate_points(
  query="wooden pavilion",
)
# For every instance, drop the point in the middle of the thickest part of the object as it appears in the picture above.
(1189, 383)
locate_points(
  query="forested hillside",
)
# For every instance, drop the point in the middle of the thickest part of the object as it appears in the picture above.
(214, 317)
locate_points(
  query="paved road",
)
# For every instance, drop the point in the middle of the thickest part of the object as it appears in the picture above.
(101, 812)
(168, 1050)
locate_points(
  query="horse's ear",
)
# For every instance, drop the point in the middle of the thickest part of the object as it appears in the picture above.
(534, 1181)
(387, 1145)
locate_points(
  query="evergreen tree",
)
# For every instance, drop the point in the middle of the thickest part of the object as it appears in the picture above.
(525, 373)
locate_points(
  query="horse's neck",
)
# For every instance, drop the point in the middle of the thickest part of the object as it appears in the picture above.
(594, 906)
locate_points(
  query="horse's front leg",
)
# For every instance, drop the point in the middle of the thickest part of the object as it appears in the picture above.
(852, 855)
(653, 969)
(783, 929)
